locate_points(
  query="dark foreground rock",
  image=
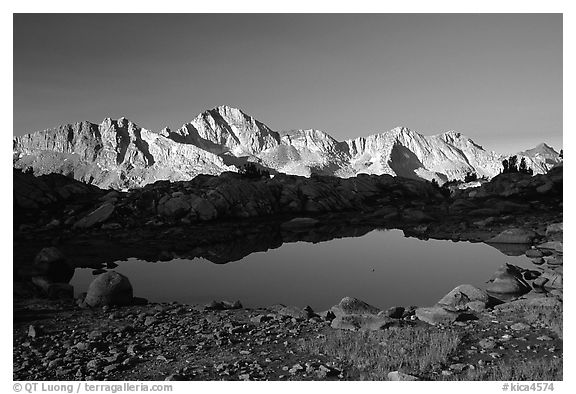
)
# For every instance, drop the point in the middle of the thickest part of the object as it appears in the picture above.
(110, 288)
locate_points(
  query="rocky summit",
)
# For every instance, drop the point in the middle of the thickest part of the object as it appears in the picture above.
(121, 155)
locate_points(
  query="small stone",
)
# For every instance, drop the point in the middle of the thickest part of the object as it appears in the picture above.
(296, 368)
(260, 319)
(94, 365)
(544, 338)
(399, 376)
(110, 368)
(459, 367)
(519, 326)
(95, 334)
(55, 363)
(487, 344)
(133, 349)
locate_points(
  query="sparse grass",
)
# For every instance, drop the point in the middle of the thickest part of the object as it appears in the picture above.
(544, 369)
(551, 317)
(413, 350)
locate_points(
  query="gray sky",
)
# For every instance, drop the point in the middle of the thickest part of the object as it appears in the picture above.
(496, 78)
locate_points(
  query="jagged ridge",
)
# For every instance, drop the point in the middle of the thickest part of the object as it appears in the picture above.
(119, 154)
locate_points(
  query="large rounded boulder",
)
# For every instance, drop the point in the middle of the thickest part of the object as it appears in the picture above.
(110, 288)
(51, 265)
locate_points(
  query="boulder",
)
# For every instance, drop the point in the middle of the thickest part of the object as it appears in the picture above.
(204, 209)
(514, 236)
(110, 288)
(99, 215)
(555, 231)
(555, 260)
(508, 279)
(436, 315)
(539, 282)
(554, 280)
(353, 306)
(462, 296)
(476, 306)
(174, 207)
(552, 245)
(51, 264)
(534, 253)
(354, 314)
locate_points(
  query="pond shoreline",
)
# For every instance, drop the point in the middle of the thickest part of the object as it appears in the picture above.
(471, 338)
(276, 343)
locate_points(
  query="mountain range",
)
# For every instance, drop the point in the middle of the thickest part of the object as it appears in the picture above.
(121, 155)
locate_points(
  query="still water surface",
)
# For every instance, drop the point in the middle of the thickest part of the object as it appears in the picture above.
(383, 268)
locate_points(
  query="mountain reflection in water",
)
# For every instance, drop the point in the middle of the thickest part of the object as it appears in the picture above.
(384, 268)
